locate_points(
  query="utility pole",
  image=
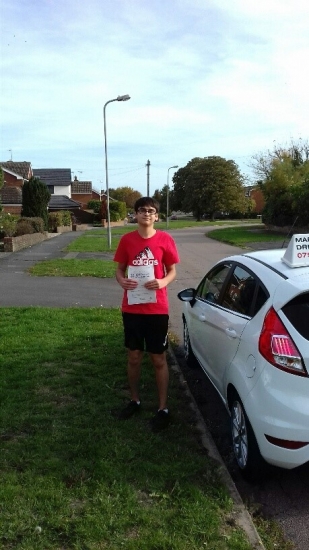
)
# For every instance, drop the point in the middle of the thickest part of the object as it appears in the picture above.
(148, 168)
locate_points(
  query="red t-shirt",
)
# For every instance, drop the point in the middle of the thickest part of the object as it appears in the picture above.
(159, 251)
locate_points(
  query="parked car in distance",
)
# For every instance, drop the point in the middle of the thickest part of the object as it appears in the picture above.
(174, 217)
(247, 325)
(132, 218)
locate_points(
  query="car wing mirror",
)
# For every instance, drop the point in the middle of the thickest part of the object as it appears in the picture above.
(187, 295)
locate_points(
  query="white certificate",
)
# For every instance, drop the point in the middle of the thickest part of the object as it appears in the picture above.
(141, 295)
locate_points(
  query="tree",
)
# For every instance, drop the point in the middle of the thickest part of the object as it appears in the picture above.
(94, 205)
(209, 185)
(125, 194)
(157, 196)
(161, 197)
(117, 210)
(262, 163)
(35, 199)
(1, 185)
(284, 180)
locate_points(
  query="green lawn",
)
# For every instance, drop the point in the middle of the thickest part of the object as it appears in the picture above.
(242, 236)
(74, 268)
(72, 476)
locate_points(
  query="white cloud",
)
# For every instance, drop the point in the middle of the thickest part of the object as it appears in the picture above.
(205, 77)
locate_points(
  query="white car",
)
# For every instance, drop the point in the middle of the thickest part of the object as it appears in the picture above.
(247, 324)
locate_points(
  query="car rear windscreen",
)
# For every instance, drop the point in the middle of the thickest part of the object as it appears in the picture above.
(297, 312)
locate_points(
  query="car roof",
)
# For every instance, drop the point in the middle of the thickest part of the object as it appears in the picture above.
(273, 260)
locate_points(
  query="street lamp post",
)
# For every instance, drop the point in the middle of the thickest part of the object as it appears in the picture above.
(119, 98)
(168, 194)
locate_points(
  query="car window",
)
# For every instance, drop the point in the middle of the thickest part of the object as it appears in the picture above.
(260, 300)
(297, 312)
(210, 287)
(240, 291)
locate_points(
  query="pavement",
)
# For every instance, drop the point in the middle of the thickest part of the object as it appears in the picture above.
(20, 289)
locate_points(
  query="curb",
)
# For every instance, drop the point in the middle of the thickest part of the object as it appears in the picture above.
(240, 513)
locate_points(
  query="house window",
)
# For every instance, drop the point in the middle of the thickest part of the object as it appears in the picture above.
(50, 189)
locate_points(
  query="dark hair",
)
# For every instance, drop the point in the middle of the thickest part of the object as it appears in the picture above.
(146, 201)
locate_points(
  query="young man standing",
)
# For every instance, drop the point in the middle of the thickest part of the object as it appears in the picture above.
(146, 265)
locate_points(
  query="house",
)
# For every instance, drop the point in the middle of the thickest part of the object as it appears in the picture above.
(15, 174)
(23, 169)
(255, 193)
(58, 182)
(82, 192)
(65, 194)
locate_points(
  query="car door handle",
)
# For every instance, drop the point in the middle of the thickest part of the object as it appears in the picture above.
(202, 318)
(231, 332)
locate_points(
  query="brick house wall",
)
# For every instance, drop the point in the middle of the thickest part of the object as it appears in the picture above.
(11, 193)
(82, 192)
(82, 198)
(12, 209)
(12, 180)
(257, 196)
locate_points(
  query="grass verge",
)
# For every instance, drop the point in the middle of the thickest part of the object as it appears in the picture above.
(243, 236)
(75, 477)
(74, 268)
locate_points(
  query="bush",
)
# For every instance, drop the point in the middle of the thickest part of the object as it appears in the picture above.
(8, 223)
(66, 218)
(114, 216)
(94, 205)
(56, 219)
(24, 227)
(117, 210)
(36, 223)
(52, 221)
(278, 211)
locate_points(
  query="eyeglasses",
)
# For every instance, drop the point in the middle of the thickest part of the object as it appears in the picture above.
(150, 211)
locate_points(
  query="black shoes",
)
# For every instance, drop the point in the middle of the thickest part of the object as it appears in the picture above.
(160, 421)
(131, 408)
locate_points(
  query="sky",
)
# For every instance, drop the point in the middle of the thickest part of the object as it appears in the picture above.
(205, 77)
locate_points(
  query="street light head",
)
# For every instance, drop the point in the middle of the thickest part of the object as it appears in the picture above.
(123, 97)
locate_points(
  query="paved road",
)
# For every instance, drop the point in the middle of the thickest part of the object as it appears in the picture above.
(18, 288)
(197, 255)
(285, 495)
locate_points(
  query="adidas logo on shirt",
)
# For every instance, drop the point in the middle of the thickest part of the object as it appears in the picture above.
(145, 257)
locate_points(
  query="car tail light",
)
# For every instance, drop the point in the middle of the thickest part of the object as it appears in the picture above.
(277, 346)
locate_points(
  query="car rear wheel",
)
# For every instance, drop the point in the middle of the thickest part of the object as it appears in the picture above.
(189, 355)
(246, 450)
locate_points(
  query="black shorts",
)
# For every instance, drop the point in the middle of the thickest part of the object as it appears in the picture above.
(143, 331)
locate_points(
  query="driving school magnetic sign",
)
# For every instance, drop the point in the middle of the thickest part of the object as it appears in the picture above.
(297, 252)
